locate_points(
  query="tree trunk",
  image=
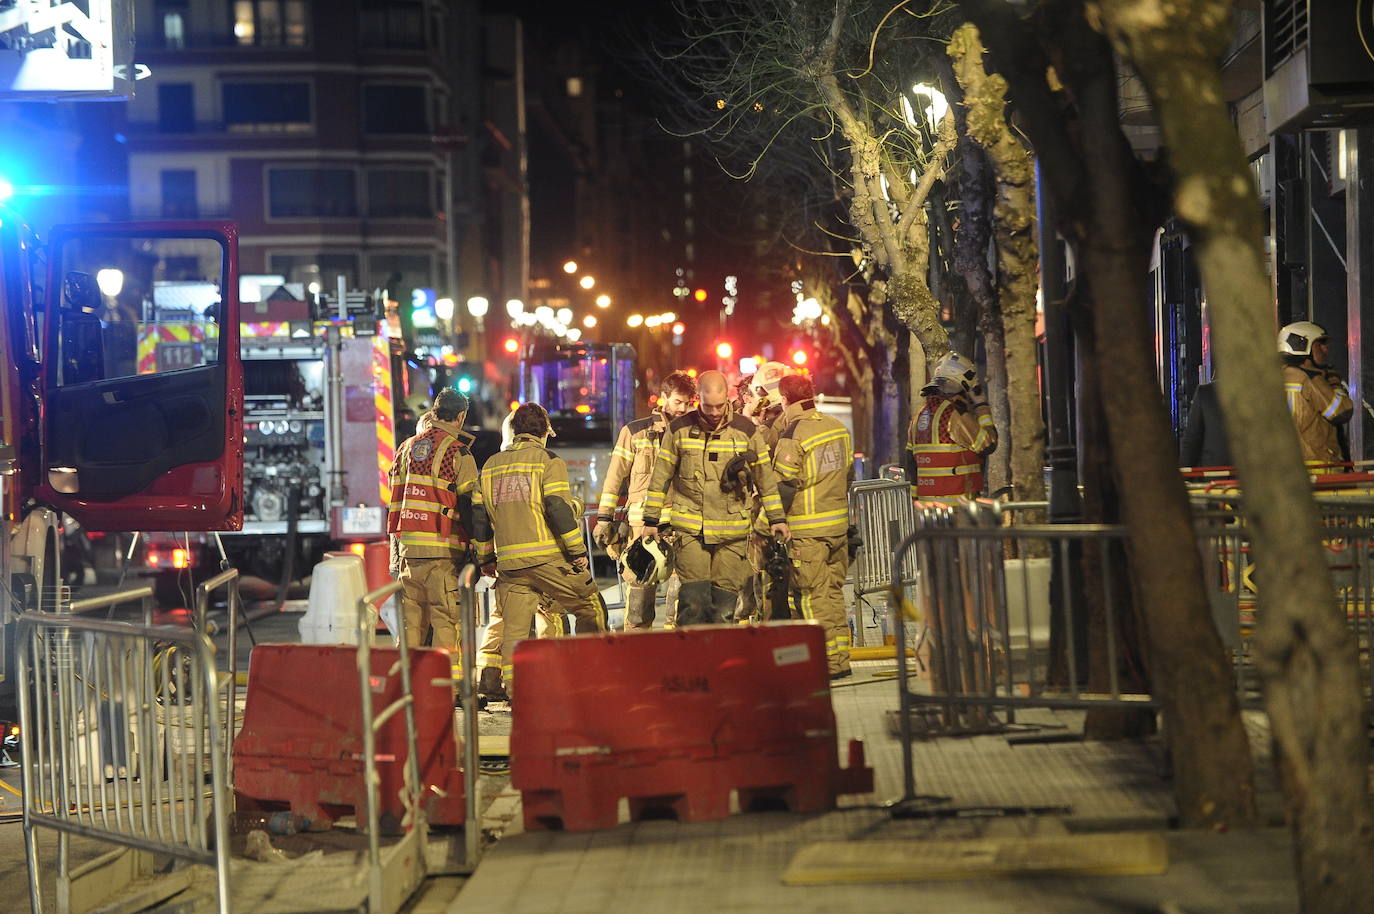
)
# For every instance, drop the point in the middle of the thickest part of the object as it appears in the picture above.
(1017, 262)
(1305, 650)
(1091, 172)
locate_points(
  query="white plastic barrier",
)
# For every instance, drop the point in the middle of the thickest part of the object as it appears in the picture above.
(336, 586)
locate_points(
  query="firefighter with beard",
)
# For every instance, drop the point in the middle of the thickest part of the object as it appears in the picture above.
(627, 479)
(701, 457)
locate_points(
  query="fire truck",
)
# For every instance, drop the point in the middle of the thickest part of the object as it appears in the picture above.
(589, 390)
(84, 432)
(319, 434)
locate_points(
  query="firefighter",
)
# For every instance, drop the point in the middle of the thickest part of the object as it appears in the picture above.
(526, 531)
(433, 479)
(627, 477)
(814, 463)
(764, 405)
(701, 458)
(951, 433)
(1317, 397)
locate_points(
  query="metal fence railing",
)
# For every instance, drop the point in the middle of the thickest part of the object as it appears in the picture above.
(984, 590)
(120, 731)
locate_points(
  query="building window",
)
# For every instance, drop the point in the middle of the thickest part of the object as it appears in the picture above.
(266, 107)
(324, 269)
(179, 193)
(176, 109)
(399, 194)
(395, 109)
(393, 24)
(270, 23)
(296, 193)
(171, 16)
(574, 87)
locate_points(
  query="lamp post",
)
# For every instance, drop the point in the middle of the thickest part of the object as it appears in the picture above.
(478, 307)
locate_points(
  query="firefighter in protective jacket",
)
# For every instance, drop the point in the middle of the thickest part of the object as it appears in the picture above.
(814, 463)
(526, 522)
(432, 482)
(711, 515)
(627, 478)
(951, 433)
(1317, 397)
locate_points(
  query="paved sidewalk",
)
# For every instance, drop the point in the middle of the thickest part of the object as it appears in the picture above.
(736, 864)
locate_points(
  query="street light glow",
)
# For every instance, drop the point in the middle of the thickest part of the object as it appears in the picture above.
(932, 104)
(679, 328)
(544, 314)
(587, 282)
(570, 267)
(110, 281)
(603, 301)
(477, 306)
(515, 307)
(724, 350)
(565, 315)
(634, 320)
(589, 321)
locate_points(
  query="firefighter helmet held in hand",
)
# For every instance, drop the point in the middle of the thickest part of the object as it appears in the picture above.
(1299, 337)
(646, 562)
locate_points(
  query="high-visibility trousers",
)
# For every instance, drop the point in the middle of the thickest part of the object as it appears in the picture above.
(819, 567)
(519, 593)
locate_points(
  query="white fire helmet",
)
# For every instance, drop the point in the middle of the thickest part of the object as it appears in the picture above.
(1297, 338)
(769, 375)
(954, 367)
(647, 562)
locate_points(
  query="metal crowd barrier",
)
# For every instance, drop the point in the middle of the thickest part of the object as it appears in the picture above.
(882, 510)
(229, 580)
(985, 591)
(118, 739)
(1234, 578)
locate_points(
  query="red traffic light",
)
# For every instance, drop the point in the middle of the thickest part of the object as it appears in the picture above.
(799, 357)
(511, 345)
(724, 350)
(679, 328)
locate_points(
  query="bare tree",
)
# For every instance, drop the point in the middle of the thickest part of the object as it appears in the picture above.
(1017, 259)
(1061, 79)
(1306, 652)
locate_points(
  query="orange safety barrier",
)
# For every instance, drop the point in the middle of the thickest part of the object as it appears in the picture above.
(301, 742)
(676, 721)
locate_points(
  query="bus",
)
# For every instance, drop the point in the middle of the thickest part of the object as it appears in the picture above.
(590, 391)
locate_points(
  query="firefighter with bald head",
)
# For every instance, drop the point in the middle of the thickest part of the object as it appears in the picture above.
(703, 457)
(951, 433)
(814, 463)
(525, 523)
(432, 481)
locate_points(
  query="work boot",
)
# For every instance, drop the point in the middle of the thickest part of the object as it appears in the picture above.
(694, 604)
(639, 607)
(489, 685)
(723, 605)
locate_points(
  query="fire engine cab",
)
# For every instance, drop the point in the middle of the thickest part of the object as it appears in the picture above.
(88, 434)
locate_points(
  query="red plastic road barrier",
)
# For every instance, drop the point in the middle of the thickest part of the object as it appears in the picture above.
(376, 564)
(301, 742)
(676, 720)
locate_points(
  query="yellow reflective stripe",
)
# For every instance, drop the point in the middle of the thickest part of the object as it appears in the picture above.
(529, 550)
(1333, 408)
(506, 469)
(1293, 391)
(964, 470)
(985, 420)
(572, 537)
(982, 441)
(553, 488)
(772, 500)
(608, 502)
(823, 437)
(841, 514)
(940, 448)
(622, 453)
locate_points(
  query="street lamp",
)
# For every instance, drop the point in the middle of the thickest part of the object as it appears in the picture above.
(932, 104)
(443, 309)
(570, 267)
(589, 321)
(515, 307)
(565, 315)
(110, 281)
(477, 307)
(634, 320)
(603, 301)
(587, 282)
